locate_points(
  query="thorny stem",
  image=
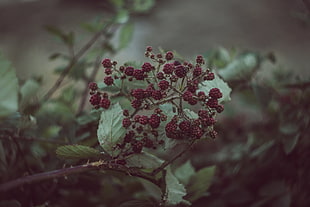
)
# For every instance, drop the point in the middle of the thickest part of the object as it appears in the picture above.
(98, 165)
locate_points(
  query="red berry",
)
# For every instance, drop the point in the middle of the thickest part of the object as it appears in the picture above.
(185, 126)
(171, 129)
(180, 71)
(160, 75)
(209, 77)
(157, 95)
(95, 99)
(129, 135)
(149, 49)
(168, 68)
(215, 93)
(136, 103)
(106, 63)
(197, 132)
(125, 112)
(219, 108)
(138, 74)
(138, 93)
(154, 121)
(213, 134)
(208, 121)
(169, 55)
(163, 85)
(212, 103)
(129, 71)
(108, 71)
(203, 113)
(147, 67)
(192, 101)
(197, 71)
(143, 120)
(126, 122)
(105, 103)
(108, 80)
(187, 95)
(147, 142)
(93, 86)
(137, 146)
(199, 59)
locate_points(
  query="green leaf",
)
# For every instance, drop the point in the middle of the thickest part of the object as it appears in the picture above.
(9, 88)
(174, 189)
(144, 160)
(191, 114)
(125, 35)
(206, 86)
(29, 90)
(289, 143)
(185, 172)
(76, 152)
(110, 130)
(241, 68)
(143, 5)
(122, 16)
(199, 183)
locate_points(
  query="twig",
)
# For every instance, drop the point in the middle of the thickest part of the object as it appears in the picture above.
(85, 92)
(99, 165)
(73, 61)
(165, 164)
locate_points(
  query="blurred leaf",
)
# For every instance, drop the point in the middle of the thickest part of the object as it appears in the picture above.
(117, 3)
(191, 114)
(137, 203)
(110, 130)
(241, 68)
(174, 189)
(206, 86)
(144, 160)
(29, 90)
(122, 16)
(9, 88)
(199, 183)
(261, 149)
(54, 31)
(263, 94)
(289, 143)
(289, 128)
(125, 35)
(68, 95)
(185, 172)
(151, 189)
(77, 152)
(143, 5)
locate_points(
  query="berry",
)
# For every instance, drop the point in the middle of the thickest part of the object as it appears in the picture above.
(93, 86)
(147, 67)
(180, 71)
(209, 77)
(149, 49)
(197, 132)
(154, 121)
(163, 85)
(201, 93)
(138, 74)
(187, 95)
(171, 129)
(108, 71)
(156, 94)
(126, 122)
(169, 55)
(192, 101)
(185, 126)
(129, 71)
(212, 103)
(159, 55)
(199, 59)
(148, 91)
(108, 80)
(203, 113)
(192, 88)
(136, 103)
(129, 135)
(197, 71)
(106, 63)
(137, 146)
(213, 134)
(173, 78)
(147, 142)
(209, 121)
(143, 120)
(105, 103)
(125, 112)
(168, 68)
(95, 99)
(219, 108)
(215, 93)
(160, 75)
(138, 93)
(176, 63)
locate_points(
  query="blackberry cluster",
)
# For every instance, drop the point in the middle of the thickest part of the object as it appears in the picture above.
(168, 81)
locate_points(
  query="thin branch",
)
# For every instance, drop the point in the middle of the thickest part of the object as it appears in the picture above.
(99, 165)
(73, 61)
(165, 164)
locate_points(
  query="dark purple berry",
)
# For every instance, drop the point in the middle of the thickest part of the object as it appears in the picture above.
(185, 126)
(149, 49)
(105, 103)
(169, 55)
(209, 77)
(215, 93)
(187, 95)
(160, 75)
(108, 80)
(180, 71)
(95, 99)
(197, 132)
(126, 122)
(136, 103)
(138, 74)
(219, 108)
(125, 112)
(168, 68)
(147, 67)
(212, 103)
(129, 71)
(106, 63)
(143, 120)
(154, 121)
(93, 86)
(138, 93)
(197, 72)
(137, 146)
(163, 85)
(157, 95)
(108, 71)
(199, 59)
